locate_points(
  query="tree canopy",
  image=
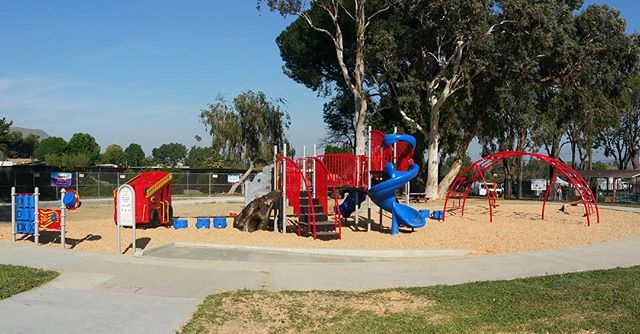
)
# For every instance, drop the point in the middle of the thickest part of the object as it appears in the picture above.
(516, 74)
(247, 128)
(113, 154)
(133, 155)
(170, 154)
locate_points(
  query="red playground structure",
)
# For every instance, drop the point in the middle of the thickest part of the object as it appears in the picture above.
(307, 184)
(461, 186)
(153, 198)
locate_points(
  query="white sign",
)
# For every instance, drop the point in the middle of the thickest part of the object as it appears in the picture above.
(126, 205)
(538, 184)
(233, 178)
(122, 176)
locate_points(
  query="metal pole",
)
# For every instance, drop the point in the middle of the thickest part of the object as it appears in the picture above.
(210, 176)
(357, 208)
(369, 182)
(284, 189)
(13, 214)
(356, 192)
(63, 218)
(395, 147)
(77, 181)
(118, 245)
(304, 166)
(406, 193)
(133, 238)
(36, 220)
(274, 186)
(314, 170)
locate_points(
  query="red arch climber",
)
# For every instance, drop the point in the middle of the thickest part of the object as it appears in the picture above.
(459, 189)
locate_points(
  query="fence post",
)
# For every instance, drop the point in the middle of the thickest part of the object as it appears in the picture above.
(209, 178)
(188, 192)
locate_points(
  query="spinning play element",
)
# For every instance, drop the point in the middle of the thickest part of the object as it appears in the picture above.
(71, 200)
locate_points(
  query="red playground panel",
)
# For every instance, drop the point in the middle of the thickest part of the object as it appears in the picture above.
(153, 198)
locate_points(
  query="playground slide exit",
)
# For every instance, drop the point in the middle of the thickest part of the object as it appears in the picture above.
(383, 194)
(349, 205)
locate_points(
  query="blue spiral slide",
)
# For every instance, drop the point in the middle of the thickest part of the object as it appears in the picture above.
(383, 194)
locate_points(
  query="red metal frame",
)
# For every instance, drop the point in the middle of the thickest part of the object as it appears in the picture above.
(378, 151)
(380, 154)
(346, 170)
(322, 184)
(294, 178)
(465, 179)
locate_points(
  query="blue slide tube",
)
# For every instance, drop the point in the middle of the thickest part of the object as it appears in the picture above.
(383, 194)
(348, 206)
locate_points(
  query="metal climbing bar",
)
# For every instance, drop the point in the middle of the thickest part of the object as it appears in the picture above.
(465, 179)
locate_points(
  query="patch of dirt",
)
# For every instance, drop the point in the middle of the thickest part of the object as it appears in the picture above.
(267, 312)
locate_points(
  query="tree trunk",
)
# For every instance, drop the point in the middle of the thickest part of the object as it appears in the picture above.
(448, 178)
(244, 177)
(361, 116)
(431, 190)
(360, 96)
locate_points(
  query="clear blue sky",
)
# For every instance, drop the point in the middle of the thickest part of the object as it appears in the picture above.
(139, 71)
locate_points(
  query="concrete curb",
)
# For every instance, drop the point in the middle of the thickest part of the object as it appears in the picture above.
(366, 253)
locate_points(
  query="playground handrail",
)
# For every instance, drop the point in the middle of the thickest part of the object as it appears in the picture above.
(306, 186)
(347, 170)
(337, 222)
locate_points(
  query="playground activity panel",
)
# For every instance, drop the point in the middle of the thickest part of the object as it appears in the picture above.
(27, 218)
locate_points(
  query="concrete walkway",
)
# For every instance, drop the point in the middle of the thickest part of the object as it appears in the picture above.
(103, 293)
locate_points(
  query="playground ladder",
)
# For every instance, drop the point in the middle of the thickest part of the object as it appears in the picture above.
(323, 228)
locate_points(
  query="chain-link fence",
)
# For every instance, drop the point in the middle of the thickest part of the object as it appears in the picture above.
(102, 184)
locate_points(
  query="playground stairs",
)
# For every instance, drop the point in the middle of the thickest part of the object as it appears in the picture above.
(325, 229)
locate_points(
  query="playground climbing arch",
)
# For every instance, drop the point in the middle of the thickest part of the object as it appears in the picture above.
(461, 186)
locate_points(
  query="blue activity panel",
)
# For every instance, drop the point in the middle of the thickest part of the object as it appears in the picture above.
(25, 213)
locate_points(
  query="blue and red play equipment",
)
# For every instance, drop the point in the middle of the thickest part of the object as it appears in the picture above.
(383, 194)
(305, 184)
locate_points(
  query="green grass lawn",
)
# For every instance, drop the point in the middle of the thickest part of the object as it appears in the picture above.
(605, 301)
(16, 279)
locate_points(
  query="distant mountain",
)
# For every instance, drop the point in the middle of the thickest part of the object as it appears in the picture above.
(25, 132)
